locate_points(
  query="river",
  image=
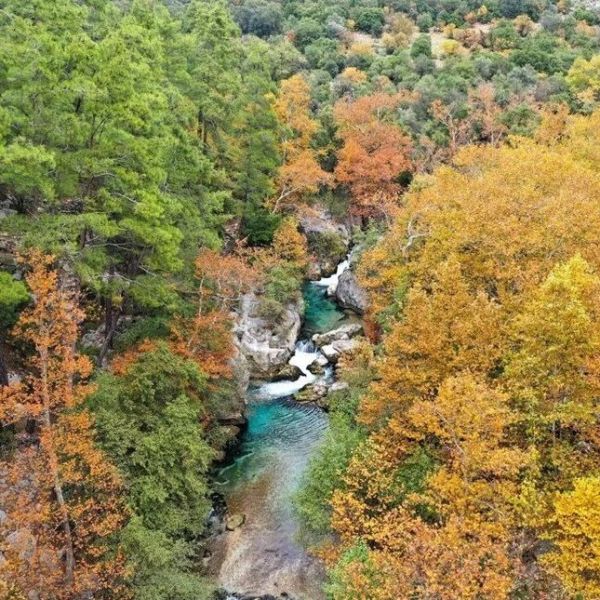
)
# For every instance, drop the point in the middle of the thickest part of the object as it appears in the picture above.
(263, 556)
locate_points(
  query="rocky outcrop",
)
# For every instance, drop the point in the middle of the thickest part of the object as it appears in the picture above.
(328, 242)
(350, 295)
(345, 332)
(264, 346)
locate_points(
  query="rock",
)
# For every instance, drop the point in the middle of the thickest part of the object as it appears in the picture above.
(288, 373)
(3, 517)
(332, 351)
(349, 294)
(338, 386)
(312, 393)
(328, 241)
(232, 418)
(234, 521)
(345, 332)
(315, 368)
(265, 347)
(23, 542)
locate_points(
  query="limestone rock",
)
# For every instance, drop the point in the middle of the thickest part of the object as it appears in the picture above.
(312, 393)
(332, 351)
(349, 294)
(288, 373)
(328, 241)
(264, 346)
(345, 332)
(316, 368)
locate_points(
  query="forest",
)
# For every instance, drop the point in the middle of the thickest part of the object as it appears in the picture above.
(181, 181)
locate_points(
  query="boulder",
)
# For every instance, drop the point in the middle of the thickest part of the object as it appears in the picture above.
(234, 521)
(264, 346)
(288, 373)
(345, 332)
(316, 368)
(312, 393)
(349, 294)
(332, 351)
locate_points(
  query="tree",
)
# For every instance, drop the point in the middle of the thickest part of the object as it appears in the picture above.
(482, 416)
(207, 337)
(584, 77)
(13, 295)
(154, 420)
(375, 152)
(576, 536)
(63, 494)
(300, 173)
(553, 375)
(444, 330)
(259, 17)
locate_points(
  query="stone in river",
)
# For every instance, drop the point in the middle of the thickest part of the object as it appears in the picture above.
(288, 373)
(350, 294)
(332, 351)
(316, 368)
(234, 521)
(345, 332)
(312, 393)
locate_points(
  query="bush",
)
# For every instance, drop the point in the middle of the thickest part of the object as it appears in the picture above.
(421, 47)
(369, 20)
(262, 18)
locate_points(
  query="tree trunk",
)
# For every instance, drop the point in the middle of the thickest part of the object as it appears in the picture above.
(53, 464)
(3, 368)
(111, 319)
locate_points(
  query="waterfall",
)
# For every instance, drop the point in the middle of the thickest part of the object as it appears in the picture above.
(331, 282)
(305, 354)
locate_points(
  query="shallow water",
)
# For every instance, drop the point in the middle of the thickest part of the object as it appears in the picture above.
(263, 556)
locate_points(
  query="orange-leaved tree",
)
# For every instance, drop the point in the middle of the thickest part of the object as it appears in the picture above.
(375, 153)
(63, 498)
(207, 336)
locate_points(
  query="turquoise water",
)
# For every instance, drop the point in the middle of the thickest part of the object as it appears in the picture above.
(320, 313)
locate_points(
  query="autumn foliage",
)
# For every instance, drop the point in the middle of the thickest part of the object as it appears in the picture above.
(63, 497)
(375, 152)
(483, 414)
(207, 337)
(300, 172)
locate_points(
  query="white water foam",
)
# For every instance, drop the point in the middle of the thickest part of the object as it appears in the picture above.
(332, 281)
(305, 354)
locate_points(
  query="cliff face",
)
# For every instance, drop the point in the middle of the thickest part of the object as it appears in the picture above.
(264, 345)
(328, 242)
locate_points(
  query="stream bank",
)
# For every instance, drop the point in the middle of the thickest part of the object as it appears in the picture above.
(256, 554)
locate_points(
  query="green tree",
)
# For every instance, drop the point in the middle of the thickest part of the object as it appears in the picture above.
(13, 295)
(149, 421)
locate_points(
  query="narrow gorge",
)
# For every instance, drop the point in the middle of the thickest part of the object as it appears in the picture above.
(258, 553)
